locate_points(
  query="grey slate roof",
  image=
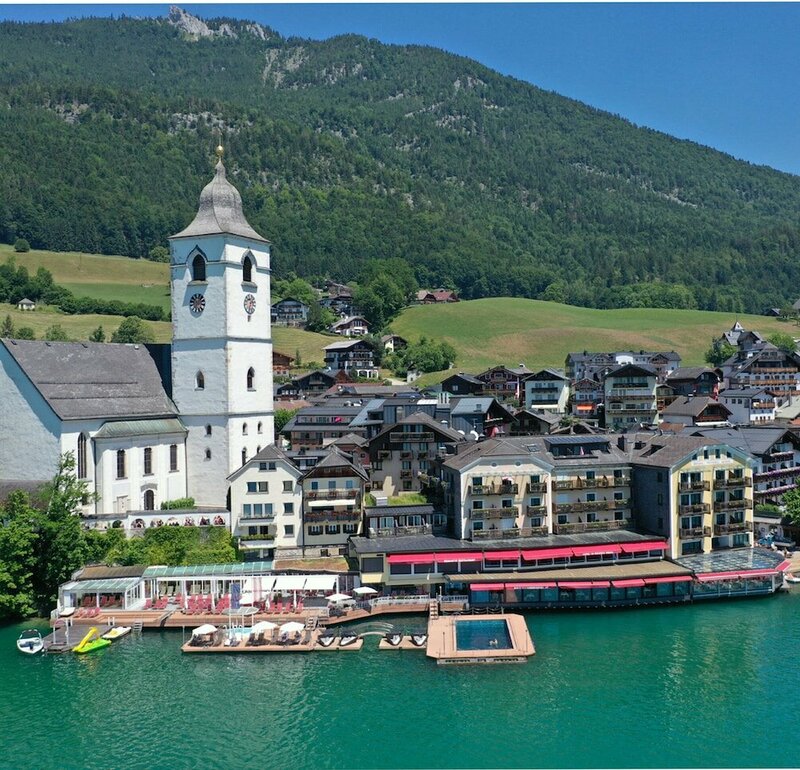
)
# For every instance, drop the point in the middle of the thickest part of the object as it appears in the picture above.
(691, 406)
(85, 380)
(755, 440)
(220, 211)
(688, 373)
(130, 428)
(421, 418)
(399, 510)
(335, 459)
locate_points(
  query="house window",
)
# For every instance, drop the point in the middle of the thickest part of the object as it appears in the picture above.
(288, 530)
(314, 529)
(251, 378)
(332, 529)
(262, 466)
(149, 500)
(82, 456)
(199, 381)
(378, 465)
(121, 464)
(244, 429)
(247, 270)
(271, 466)
(288, 486)
(198, 269)
(208, 430)
(263, 486)
(350, 529)
(173, 457)
(148, 461)
(288, 507)
(563, 518)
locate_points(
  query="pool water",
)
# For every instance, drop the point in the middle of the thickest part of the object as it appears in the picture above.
(482, 635)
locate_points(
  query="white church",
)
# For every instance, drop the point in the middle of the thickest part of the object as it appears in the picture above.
(151, 424)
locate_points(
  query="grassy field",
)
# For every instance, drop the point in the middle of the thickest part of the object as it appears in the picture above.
(510, 331)
(309, 344)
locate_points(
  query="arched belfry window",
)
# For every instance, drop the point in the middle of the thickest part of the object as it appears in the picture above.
(198, 268)
(244, 456)
(247, 270)
(199, 381)
(251, 379)
(81, 459)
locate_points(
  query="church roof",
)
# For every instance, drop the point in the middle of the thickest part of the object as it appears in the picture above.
(220, 211)
(90, 380)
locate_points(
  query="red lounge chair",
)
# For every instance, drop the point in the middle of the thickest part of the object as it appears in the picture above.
(148, 605)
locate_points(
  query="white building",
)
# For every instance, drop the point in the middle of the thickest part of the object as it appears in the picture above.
(547, 389)
(749, 405)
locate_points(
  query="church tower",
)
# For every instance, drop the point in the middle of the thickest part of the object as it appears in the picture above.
(222, 339)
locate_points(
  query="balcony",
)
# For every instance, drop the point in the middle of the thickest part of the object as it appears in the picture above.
(776, 474)
(733, 505)
(493, 513)
(399, 437)
(257, 517)
(591, 505)
(423, 455)
(733, 481)
(310, 517)
(406, 474)
(692, 532)
(539, 486)
(536, 510)
(384, 454)
(423, 529)
(602, 482)
(733, 527)
(695, 508)
(506, 534)
(256, 541)
(493, 489)
(694, 486)
(406, 455)
(590, 526)
(635, 393)
(331, 494)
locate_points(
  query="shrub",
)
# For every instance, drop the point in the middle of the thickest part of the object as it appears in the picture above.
(178, 504)
(21, 245)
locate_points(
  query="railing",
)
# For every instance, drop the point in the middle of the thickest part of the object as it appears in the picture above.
(257, 516)
(733, 481)
(312, 516)
(424, 529)
(536, 510)
(632, 393)
(731, 528)
(405, 455)
(384, 454)
(408, 600)
(787, 454)
(696, 508)
(694, 486)
(777, 474)
(513, 532)
(397, 437)
(406, 474)
(591, 505)
(694, 532)
(331, 494)
(590, 526)
(733, 505)
(422, 455)
(493, 489)
(256, 538)
(493, 513)
(539, 486)
(603, 482)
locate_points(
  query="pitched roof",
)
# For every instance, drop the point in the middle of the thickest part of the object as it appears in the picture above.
(688, 373)
(692, 406)
(666, 451)
(756, 439)
(345, 344)
(351, 438)
(93, 379)
(422, 418)
(336, 459)
(220, 211)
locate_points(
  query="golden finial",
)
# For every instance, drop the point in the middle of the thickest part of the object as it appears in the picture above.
(220, 152)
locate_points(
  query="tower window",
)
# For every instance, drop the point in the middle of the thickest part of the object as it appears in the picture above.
(198, 269)
(82, 455)
(199, 381)
(251, 378)
(208, 430)
(148, 461)
(208, 454)
(173, 457)
(121, 464)
(259, 427)
(244, 429)
(244, 456)
(149, 500)
(247, 270)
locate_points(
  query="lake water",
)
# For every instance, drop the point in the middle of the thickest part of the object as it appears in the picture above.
(702, 686)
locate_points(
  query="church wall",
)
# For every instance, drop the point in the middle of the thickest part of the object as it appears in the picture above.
(207, 478)
(71, 430)
(30, 429)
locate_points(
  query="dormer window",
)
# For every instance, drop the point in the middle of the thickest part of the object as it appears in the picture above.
(247, 270)
(199, 269)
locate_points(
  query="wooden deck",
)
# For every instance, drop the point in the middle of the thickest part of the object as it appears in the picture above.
(308, 643)
(442, 641)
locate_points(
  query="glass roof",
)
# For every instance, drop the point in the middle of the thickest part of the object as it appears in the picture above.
(210, 570)
(103, 585)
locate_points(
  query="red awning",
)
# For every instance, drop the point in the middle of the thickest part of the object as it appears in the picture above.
(648, 545)
(486, 586)
(411, 558)
(562, 584)
(497, 555)
(673, 579)
(601, 584)
(585, 407)
(784, 565)
(530, 585)
(596, 550)
(546, 553)
(444, 558)
(631, 583)
(709, 576)
(756, 573)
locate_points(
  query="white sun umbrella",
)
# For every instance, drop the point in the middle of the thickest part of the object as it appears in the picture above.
(338, 597)
(206, 628)
(262, 626)
(364, 590)
(291, 627)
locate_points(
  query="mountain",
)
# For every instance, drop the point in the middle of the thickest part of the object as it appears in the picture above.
(348, 149)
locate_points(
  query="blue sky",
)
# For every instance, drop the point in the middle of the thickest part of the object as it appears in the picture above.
(725, 75)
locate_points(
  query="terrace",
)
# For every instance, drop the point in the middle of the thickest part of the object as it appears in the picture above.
(513, 532)
(733, 481)
(574, 528)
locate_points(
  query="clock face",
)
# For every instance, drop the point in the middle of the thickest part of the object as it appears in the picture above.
(197, 304)
(249, 304)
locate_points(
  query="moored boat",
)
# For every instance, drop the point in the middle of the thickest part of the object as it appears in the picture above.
(789, 578)
(116, 633)
(30, 642)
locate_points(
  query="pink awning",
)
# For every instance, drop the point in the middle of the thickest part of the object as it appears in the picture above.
(673, 579)
(486, 586)
(546, 553)
(630, 583)
(497, 555)
(596, 550)
(784, 565)
(562, 584)
(530, 585)
(648, 545)
(756, 573)
(444, 558)
(601, 584)
(709, 576)
(411, 558)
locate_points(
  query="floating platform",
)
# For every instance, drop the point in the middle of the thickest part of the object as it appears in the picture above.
(405, 644)
(513, 643)
(307, 644)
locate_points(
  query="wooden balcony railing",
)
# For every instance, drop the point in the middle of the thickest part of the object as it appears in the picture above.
(733, 481)
(316, 516)
(733, 505)
(695, 508)
(331, 494)
(493, 489)
(493, 513)
(536, 510)
(690, 532)
(601, 482)
(540, 486)
(504, 534)
(694, 486)
(591, 505)
(733, 527)
(590, 526)
(397, 436)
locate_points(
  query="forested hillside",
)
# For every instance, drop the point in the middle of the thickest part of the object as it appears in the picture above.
(349, 149)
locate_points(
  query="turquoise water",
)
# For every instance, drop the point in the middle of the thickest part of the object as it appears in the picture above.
(703, 686)
(483, 635)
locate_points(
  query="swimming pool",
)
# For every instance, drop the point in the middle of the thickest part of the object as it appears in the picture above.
(482, 635)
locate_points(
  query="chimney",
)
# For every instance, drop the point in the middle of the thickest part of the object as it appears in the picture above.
(621, 442)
